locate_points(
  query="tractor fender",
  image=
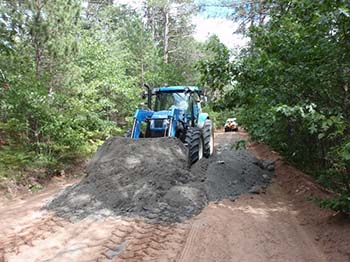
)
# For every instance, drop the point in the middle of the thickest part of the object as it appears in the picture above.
(201, 119)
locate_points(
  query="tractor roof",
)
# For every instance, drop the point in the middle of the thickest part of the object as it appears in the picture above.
(177, 89)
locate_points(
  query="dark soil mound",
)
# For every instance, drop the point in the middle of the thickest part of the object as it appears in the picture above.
(149, 178)
(235, 172)
(146, 177)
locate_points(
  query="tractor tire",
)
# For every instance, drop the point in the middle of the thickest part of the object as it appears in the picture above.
(208, 138)
(194, 142)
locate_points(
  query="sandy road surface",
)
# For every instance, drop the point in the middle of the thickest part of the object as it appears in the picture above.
(256, 227)
(253, 229)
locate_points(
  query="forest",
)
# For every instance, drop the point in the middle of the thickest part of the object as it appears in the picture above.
(71, 75)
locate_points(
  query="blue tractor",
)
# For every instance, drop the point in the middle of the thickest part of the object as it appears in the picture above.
(175, 111)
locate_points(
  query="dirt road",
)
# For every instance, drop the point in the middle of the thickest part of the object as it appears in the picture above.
(275, 224)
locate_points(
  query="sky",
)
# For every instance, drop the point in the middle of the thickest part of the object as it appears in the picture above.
(222, 27)
(213, 19)
(210, 20)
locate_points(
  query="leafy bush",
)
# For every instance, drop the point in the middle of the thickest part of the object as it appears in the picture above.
(291, 86)
(339, 203)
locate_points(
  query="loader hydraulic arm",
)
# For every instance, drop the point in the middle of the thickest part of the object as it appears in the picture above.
(139, 117)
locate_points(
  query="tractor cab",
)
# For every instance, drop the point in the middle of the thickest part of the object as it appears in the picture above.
(172, 109)
(185, 99)
(175, 111)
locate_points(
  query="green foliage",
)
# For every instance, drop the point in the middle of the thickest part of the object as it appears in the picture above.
(291, 85)
(341, 203)
(36, 187)
(240, 145)
(215, 75)
(215, 69)
(71, 76)
(218, 117)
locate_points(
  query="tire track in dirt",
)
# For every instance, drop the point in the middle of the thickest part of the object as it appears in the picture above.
(38, 229)
(139, 241)
(192, 235)
(53, 239)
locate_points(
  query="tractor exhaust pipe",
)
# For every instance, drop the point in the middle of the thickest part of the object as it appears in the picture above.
(149, 96)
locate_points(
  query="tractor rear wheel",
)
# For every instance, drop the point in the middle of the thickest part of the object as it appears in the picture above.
(208, 138)
(195, 145)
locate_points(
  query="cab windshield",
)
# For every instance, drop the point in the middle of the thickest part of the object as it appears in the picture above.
(165, 100)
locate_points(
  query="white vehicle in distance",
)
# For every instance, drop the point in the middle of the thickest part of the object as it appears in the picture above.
(231, 125)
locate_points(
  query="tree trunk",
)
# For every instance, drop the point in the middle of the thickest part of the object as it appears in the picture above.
(153, 24)
(262, 10)
(36, 41)
(166, 34)
(37, 62)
